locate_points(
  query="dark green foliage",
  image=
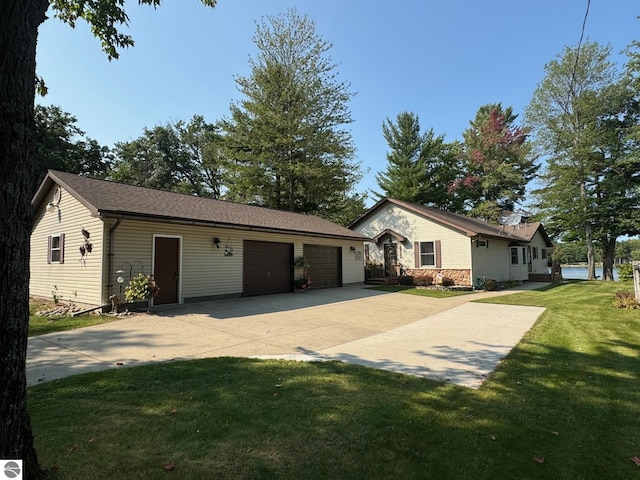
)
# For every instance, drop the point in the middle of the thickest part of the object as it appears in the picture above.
(62, 145)
(181, 157)
(585, 115)
(406, 280)
(286, 140)
(625, 271)
(421, 166)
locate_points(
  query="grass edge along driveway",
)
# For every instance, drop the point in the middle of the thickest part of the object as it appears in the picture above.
(562, 405)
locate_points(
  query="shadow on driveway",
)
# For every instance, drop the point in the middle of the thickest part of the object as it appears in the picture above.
(263, 304)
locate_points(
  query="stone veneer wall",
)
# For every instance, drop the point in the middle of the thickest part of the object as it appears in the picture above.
(459, 276)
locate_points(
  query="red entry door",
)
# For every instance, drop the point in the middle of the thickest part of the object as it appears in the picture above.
(166, 269)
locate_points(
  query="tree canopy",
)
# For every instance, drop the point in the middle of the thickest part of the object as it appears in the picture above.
(62, 145)
(584, 119)
(182, 157)
(420, 165)
(286, 141)
(497, 162)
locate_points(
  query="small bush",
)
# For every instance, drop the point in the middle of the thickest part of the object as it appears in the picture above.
(447, 282)
(625, 271)
(625, 299)
(490, 285)
(423, 281)
(405, 280)
(141, 287)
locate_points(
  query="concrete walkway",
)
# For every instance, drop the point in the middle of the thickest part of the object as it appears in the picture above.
(445, 339)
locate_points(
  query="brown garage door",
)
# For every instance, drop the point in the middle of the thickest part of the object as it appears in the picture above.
(325, 265)
(268, 267)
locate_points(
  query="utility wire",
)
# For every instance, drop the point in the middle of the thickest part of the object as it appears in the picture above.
(575, 65)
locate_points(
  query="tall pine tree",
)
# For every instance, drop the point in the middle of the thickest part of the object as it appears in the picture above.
(286, 140)
(421, 166)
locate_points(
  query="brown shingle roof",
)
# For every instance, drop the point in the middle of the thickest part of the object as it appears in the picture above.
(471, 227)
(110, 199)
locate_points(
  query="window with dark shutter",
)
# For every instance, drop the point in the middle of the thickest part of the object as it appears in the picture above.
(427, 254)
(55, 248)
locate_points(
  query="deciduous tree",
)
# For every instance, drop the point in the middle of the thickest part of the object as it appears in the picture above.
(497, 162)
(62, 145)
(19, 23)
(583, 115)
(181, 157)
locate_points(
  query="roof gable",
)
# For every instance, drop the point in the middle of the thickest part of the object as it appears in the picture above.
(109, 199)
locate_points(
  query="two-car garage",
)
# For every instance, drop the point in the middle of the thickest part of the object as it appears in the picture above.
(268, 267)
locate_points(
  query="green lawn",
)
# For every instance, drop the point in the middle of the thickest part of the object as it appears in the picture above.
(563, 405)
(42, 325)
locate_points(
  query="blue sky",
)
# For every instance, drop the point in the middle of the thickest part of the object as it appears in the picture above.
(439, 59)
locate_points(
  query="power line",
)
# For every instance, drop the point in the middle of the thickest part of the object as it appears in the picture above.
(575, 65)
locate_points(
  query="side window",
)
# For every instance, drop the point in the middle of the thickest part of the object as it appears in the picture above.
(534, 252)
(427, 254)
(514, 256)
(55, 250)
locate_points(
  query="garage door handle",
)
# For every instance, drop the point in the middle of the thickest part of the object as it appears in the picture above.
(175, 276)
(268, 273)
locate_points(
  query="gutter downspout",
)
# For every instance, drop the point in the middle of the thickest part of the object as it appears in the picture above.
(112, 231)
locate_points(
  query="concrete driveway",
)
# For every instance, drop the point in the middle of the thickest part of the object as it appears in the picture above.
(448, 339)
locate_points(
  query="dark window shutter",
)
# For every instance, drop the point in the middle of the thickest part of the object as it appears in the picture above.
(416, 252)
(49, 249)
(438, 256)
(62, 248)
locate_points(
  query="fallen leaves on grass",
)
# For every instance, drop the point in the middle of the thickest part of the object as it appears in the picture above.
(74, 447)
(538, 459)
(636, 460)
(169, 466)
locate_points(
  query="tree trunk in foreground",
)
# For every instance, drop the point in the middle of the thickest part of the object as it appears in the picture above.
(608, 258)
(19, 21)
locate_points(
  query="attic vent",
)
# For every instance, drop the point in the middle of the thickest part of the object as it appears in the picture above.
(482, 243)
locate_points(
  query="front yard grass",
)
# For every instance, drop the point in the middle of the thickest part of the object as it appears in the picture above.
(42, 325)
(562, 405)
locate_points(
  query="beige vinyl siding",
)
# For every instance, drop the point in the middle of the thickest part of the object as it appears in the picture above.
(521, 270)
(77, 280)
(539, 265)
(455, 247)
(494, 262)
(205, 270)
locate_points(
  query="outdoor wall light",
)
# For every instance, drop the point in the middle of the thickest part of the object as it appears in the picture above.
(352, 248)
(216, 241)
(57, 195)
